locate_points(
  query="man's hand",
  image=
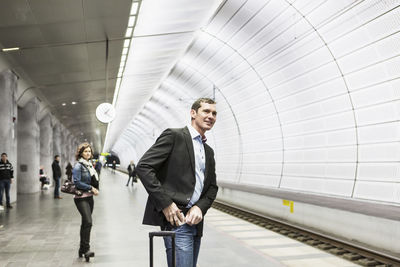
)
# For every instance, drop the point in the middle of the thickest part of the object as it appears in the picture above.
(194, 216)
(11, 180)
(95, 191)
(173, 215)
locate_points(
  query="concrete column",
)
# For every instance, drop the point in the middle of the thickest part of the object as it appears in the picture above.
(75, 146)
(28, 147)
(56, 139)
(8, 129)
(65, 150)
(46, 144)
(70, 150)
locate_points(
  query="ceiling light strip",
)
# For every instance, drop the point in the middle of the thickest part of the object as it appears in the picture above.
(127, 44)
(133, 16)
(10, 49)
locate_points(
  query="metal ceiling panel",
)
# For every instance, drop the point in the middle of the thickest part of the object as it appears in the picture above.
(66, 32)
(56, 11)
(15, 13)
(63, 53)
(21, 36)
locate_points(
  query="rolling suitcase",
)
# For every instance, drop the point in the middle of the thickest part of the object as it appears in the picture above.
(162, 233)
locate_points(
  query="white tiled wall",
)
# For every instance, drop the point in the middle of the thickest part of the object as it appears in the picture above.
(308, 96)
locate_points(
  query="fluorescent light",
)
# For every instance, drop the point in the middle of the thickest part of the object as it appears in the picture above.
(10, 49)
(63, 104)
(123, 58)
(131, 21)
(127, 42)
(122, 64)
(118, 82)
(120, 71)
(125, 51)
(128, 33)
(116, 91)
(73, 102)
(134, 8)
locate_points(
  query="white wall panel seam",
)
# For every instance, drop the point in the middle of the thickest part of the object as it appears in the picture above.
(322, 46)
(298, 38)
(350, 99)
(338, 57)
(266, 89)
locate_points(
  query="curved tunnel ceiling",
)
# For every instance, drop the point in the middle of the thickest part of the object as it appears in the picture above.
(307, 95)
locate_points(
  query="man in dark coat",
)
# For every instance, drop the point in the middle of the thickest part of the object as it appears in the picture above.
(56, 176)
(6, 179)
(178, 172)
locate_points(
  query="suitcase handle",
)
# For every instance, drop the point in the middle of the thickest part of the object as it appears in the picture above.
(162, 233)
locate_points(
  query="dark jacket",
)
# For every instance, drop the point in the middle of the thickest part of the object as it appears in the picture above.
(6, 170)
(81, 177)
(167, 171)
(56, 169)
(68, 169)
(131, 171)
(97, 167)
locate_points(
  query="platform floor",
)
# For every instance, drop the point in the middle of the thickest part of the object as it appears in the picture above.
(42, 231)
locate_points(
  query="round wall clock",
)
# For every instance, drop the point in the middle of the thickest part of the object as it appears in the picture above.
(105, 112)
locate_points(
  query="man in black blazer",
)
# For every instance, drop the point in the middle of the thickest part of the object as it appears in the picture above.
(55, 166)
(178, 172)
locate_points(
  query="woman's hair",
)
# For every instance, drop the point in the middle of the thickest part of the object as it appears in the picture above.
(82, 148)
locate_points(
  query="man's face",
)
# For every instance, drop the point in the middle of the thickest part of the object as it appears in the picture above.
(205, 116)
(58, 159)
(4, 158)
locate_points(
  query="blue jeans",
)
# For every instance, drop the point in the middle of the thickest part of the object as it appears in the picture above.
(57, 187)
(187, 246)
(5, 184)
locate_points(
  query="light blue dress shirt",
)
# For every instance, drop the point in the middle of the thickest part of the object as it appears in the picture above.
(200, 165)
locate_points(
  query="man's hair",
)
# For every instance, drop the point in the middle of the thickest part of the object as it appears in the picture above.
(4, 154)
(82, 148)
(197, 104)
(56, 156)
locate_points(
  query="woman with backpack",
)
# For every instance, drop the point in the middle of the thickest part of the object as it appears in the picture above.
(85, 179)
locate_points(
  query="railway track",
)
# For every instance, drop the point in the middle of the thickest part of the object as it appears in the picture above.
(340, 248)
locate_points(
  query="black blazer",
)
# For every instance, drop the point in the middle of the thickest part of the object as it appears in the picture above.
(56, 169)
(131, 171)
(167, 171)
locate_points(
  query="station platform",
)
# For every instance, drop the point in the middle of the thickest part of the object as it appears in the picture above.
(42, 231)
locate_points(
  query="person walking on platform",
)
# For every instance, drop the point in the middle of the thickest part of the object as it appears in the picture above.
(97, 167)
(6, 179)
(114, 166)
(178, 172)
(43, 178)
(85, 179)
(56, 176)
(131, 173)
(68, 171)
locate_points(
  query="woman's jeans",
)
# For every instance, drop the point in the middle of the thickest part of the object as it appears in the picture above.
(85, 208)
(187, 246)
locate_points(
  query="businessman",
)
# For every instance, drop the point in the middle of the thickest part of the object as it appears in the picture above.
(178, 172)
